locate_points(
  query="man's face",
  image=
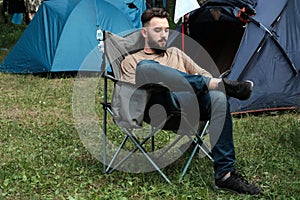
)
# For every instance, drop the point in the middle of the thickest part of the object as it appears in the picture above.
(157, 33)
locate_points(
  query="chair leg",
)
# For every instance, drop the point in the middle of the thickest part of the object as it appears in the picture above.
(202, 146)
(148, 158)
(188, 162)
(123, 160)
(138, 147)
(104, 140)
(133, 151)
(152, 144)
(108, 169)
(205, 150)
(104, 107)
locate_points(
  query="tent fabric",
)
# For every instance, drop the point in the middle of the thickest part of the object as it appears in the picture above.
(62, 36)
(269, 59)
(131, 8)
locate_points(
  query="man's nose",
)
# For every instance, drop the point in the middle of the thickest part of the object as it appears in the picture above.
(164, 33)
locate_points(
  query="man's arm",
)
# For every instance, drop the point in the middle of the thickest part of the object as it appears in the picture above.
(190, 66)
(128, 67)
(194, 68)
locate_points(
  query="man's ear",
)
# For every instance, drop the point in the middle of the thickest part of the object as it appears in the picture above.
(144, 32)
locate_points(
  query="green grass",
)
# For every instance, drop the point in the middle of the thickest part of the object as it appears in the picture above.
(43, 157)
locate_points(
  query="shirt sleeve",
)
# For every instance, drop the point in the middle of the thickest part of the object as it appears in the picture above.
(193, 68)
(128, 67)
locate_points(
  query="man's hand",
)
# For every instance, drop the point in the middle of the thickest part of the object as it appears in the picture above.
(214, 83)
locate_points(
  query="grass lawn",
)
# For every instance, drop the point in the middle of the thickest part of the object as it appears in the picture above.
(43, 157)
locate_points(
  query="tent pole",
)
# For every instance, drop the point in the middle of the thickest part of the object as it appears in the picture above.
(260, 25)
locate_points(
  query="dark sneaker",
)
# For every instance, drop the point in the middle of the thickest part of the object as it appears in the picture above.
(238, 184)
(240, 90)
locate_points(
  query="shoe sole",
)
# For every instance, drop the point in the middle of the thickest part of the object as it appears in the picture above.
(239, 97)
(227, 190)
(216, 188)
(251, 88)
(252, 84)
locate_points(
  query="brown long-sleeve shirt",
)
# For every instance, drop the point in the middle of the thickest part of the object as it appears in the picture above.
(173, 58)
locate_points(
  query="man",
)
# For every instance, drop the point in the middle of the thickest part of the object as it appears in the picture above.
(156, 63)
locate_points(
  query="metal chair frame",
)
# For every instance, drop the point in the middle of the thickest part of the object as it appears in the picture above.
(196, 138)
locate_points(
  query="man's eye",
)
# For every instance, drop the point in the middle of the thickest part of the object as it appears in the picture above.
(157, 30)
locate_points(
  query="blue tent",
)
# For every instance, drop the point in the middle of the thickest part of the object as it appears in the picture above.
(262, 46)
(62, 35)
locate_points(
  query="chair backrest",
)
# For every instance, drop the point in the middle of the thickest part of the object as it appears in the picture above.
(130, 104)
(117, 47)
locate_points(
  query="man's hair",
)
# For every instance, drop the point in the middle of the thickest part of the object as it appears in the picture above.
(153, 12)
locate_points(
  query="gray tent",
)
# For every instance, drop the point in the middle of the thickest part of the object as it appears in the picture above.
(257, 40)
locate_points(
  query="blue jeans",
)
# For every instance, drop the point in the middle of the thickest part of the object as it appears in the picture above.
(192, 93)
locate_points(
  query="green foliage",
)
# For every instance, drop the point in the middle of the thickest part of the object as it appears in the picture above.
(43, 157)
(9, 34)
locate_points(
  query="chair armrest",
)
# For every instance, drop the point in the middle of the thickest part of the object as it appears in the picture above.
(128, 104)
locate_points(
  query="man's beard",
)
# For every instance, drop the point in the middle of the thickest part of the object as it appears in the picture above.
(155, 45)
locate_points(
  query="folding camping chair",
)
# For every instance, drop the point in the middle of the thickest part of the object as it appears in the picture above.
(129, 108)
